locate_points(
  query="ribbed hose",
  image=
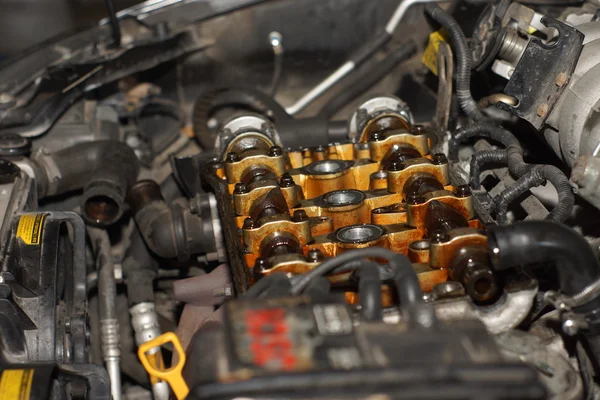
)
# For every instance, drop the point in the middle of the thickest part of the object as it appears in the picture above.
(531, 179)
(463, 60)
(485, 157)
(519, 168)
(252, 99)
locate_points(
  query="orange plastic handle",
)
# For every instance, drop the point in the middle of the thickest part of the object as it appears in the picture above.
(171, 375)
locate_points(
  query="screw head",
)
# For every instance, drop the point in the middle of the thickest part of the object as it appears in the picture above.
(275, 151)
(249, 223)
(286, 180)
(418, 130)
(232, 157)
(439, 159)
(463, 191)
(300, 216)
(240, 188)
(314, 255)
(395, 166)
(414, 198)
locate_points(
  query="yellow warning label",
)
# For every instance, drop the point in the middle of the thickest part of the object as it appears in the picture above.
(30, 228)
(431, 52)
(15, 384)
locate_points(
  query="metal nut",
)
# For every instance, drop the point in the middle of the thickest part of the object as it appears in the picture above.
(542, 110)
(561, 79)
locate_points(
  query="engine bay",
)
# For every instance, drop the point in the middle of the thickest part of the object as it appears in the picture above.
(310, 199)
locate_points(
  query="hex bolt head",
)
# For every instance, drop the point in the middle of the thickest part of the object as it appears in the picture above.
(286, 181)
(463, 191)
(260, 266)
(376, 136)
(314, 255)
(439, 159)
(249, 223)
(275, 151)
(414, 198)
(570, 327)
(439, 237)
(419, 130)
(232, 157)
(240, 188)
(448, 289)
(300, 216)
(395, 166)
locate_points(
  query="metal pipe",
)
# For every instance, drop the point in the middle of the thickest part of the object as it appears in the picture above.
(144, 320)
(107, 297)
(351, 64)
(493, 99)
(402, 8)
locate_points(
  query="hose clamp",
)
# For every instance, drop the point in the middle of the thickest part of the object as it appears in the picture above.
(563, 302)
(572, 321)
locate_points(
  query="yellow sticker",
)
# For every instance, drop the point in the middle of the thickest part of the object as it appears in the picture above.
(431, 52)
(15, 384)
(30, 228)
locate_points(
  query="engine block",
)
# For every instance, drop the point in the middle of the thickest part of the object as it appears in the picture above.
(294, 208)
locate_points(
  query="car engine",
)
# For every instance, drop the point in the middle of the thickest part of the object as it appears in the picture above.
(317, 199)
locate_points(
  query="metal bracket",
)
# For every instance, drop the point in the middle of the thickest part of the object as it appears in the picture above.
(543, 73)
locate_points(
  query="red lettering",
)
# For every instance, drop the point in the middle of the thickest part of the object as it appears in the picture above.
(270, 344)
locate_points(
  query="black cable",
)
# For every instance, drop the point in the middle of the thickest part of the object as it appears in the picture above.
(463, 60)
(510, 194)
(114, 23)
(368, 78)
(496, 156)
(586, 375)
(516, 164)
(519, 168)
(405, 277)
(369, 291)
(278, 280)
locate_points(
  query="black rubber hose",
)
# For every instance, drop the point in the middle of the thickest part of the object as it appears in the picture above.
(293, 132)
(105, 170)
(485, 157)
(538, 242)
(140, 269)
(169, 230)
(369, 291)
(405, 277)
(463, 60)
(368, 78)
